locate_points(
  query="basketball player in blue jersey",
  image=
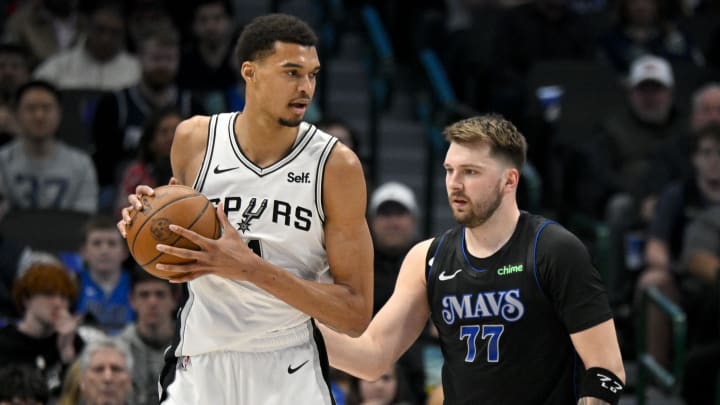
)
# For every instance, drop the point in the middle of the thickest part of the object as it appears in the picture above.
(295, 245)
(521, 312)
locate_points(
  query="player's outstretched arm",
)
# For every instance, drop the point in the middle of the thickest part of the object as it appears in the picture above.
(392, 330)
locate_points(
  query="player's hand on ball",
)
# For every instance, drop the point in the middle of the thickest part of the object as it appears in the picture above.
(135, 204)
(228, 256)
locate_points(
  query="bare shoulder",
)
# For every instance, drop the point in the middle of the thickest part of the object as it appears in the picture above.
(188, 148)
(344, 188)
(343, 159)
(418, 253)
(193, 128)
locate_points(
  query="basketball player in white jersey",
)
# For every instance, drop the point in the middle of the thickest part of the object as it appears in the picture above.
(295, 244)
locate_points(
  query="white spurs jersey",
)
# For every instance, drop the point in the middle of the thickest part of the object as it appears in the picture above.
(278, 212)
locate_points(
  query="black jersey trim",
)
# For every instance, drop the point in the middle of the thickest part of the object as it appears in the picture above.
(322, 357)
(296, 150)
(167, 375)
(465, 254)
(534, 253)
(320, 176)
(201, 177)
(431, 266)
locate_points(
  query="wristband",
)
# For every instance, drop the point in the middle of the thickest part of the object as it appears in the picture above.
(603, 384)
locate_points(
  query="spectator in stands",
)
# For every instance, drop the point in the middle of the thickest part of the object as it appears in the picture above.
(701, 261)
(393, 219)
(677, 207)
(152, 167)
(40, 171)
(22, 385)
(644, 27)
(104, 299)
(98, 61)
(154, 301)
(144, 18)
(120, 116)
(14, 70)
(105, 373)
(44, 27)
(389, 389)
(622, 153)
(671, 161)
(210, 55)
(46, 336)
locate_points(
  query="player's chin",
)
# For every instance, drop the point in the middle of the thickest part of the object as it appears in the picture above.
(292, 122)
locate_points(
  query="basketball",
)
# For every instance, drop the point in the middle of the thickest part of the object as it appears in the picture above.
(173, 204)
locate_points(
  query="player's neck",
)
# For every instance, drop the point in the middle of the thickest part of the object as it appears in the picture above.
(487, 238)
(264, 141)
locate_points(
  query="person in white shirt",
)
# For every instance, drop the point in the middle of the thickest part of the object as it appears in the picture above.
(98, 61)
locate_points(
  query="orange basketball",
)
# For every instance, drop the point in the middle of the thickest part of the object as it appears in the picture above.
(176, 204)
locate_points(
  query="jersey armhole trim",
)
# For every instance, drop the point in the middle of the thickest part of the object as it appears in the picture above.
(207, 159)
(533, 253)
(320, 176)
(430, 262)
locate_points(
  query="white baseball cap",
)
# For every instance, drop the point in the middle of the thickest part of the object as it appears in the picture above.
(651, 68)
(396, 192)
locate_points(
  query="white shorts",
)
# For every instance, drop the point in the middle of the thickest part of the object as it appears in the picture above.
(294, 375)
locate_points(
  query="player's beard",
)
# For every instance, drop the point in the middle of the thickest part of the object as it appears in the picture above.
(479, 212)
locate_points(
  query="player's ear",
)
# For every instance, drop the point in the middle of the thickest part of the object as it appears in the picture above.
(512, 177)
(247, 70)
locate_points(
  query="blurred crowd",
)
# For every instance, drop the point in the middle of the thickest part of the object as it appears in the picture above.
(91, 93)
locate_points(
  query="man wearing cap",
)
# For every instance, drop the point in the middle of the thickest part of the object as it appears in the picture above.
(393, 219)
(622, 155)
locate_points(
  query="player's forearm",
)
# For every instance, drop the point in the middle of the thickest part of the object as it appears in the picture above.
(361, 356)
(341, 307)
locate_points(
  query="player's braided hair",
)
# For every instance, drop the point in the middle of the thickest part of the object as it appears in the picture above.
(500, 134)
(259, 36)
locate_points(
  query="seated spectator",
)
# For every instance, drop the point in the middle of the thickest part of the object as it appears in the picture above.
(622, 152)
(98, 61)
(44, 27)
(14, 70)
(393, 219)
(389, 389)
(104, 299)
(154, 301)
(210, 55)
(701, 261)
(105, 373)
(677, 207)
(22, 385)
(670, 162)
(152, 166)
(38, 170)
(644, 27)
(46, 337)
